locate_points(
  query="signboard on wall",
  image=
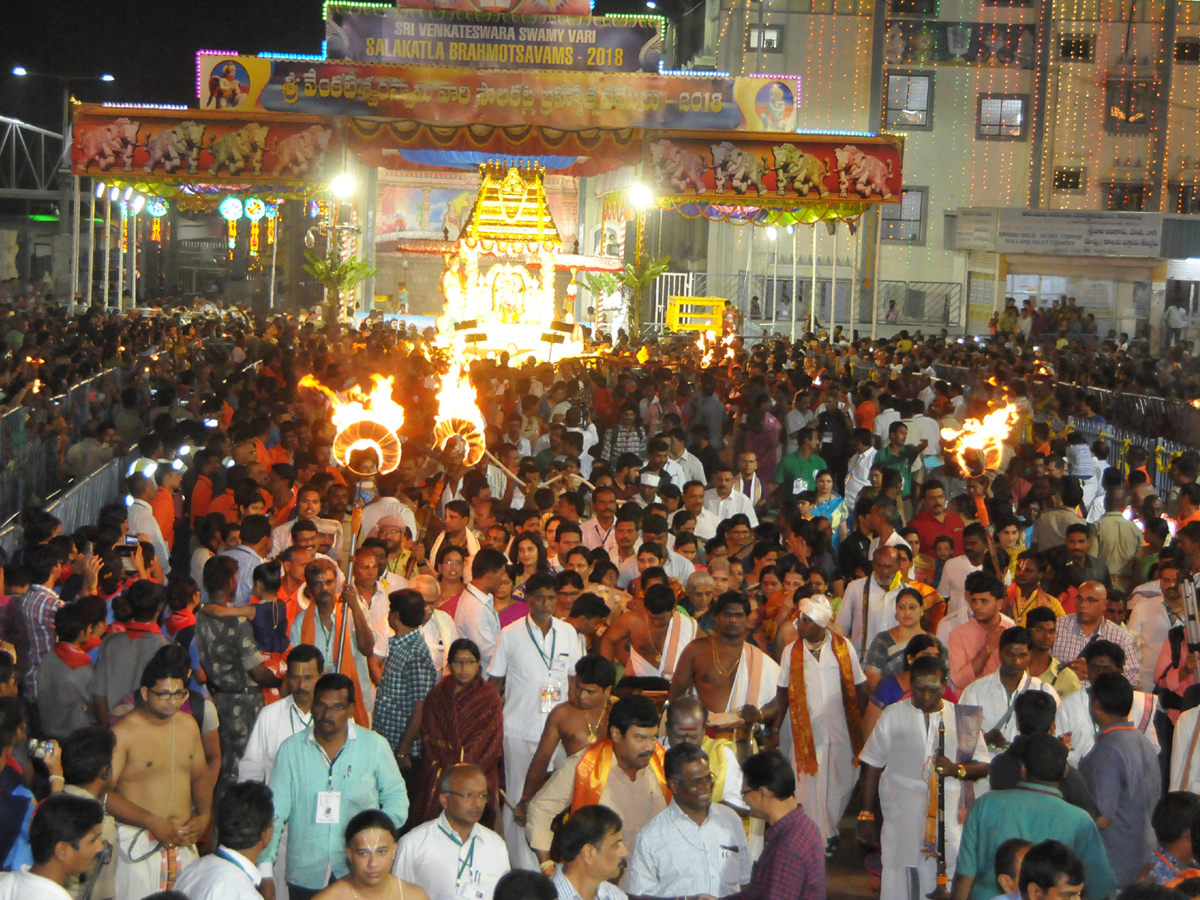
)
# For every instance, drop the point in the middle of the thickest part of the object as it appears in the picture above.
(506, 7)
(456, 96)
(1060, 232)
(418, 37)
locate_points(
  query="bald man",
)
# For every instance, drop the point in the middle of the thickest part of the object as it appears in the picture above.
(438, 627)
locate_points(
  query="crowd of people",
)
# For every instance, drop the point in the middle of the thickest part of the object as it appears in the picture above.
(680, 621)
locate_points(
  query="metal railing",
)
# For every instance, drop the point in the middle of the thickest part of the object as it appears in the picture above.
(33, 441)
(77, 506)
(916, 304)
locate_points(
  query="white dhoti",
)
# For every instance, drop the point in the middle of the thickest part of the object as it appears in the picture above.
(825, 795)
(903, 743)
(518, 754)
(144, 866)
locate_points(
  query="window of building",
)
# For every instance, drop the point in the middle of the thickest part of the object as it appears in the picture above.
(904, 222)
(914, 8)
(1077, 47)
(772, 38)
(1187, 50)
(1126, 197)
(910, 101)
(1001, 117)
(1127, 105)
(1185, 199)
(1070, 178)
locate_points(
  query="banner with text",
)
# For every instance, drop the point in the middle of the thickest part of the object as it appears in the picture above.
(505, 7)
(449, 96)
(774, 170)
(1060, 232)
(417, 37)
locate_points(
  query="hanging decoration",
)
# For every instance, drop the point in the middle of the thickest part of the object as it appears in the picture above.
(254, 209)
(157, 208)
(231, 210)
(272, 213)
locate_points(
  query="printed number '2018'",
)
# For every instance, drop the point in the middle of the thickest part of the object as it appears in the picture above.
(701, 102)
(606, 56)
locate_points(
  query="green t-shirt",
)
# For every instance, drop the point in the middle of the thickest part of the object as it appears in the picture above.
(797, 475)
(901, 462)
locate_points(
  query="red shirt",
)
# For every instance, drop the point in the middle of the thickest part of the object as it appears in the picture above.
(929, 529)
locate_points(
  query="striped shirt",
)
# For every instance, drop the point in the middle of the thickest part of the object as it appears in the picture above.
(1070, 641)
(39, 605)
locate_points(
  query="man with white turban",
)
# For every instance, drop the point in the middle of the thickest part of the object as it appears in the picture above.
(819, 705)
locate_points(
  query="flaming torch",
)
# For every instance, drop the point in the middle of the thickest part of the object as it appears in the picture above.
(459, 419)
(983, 438)
(366, 423)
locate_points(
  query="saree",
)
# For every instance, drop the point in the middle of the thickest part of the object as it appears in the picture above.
(463, 726)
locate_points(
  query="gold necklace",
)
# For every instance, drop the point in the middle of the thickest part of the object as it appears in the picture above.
(717, 662)
(592, 731)
(658, 651)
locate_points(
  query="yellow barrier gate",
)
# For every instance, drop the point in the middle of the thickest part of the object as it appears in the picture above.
(704, 313)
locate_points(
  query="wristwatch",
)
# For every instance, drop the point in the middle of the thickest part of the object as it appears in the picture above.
(962, 772)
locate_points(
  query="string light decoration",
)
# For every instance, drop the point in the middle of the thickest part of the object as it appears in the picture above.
(231, 210)
(254, 209)
(272, 213)
(124, 227)
(156, 207)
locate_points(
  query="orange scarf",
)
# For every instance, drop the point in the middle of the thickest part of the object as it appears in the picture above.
(802, 737)
(308, 635)
(591, 773)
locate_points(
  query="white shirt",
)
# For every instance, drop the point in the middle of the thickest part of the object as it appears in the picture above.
(477, 619)
(1074, 717)
(24, 885)
(432, 855)
(274, 725)
(894, 540)
(1185, 732)
(881, 614)
(735, 503)
(225, 875)
(672, 856)
(692, 468)
(142, 521)
(674, 565)
(922, 426)
(793, 422)
(990, 694)
(439, 633)
(706, 523)
(596, 536)
(883, 422)
(376, 609)
(858, 476)
(953, 584)
(1149, 623)
(536, 668)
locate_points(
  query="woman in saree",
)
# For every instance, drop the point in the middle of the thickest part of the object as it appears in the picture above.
(463, 722)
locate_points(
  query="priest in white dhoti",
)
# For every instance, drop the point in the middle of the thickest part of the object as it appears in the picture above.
(996, 694)
(1074, 724)
(680, 632)
(869, 604)
(821, 697)
(901, 762)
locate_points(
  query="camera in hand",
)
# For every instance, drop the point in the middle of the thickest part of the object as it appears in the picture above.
(40, 749)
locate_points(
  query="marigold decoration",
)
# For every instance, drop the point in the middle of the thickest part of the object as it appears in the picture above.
(459, 419)
(984, 437)
(366, 423)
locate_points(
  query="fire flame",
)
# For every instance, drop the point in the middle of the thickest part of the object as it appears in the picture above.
(708, 344)
(365, 421)
(985, 436)
(459, 419)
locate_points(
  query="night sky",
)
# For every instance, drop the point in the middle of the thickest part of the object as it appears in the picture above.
(148, 46)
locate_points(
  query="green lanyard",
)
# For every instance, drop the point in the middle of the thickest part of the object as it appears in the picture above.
(548, 660)
(466, 863)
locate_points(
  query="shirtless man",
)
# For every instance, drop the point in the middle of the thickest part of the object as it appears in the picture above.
(576, 724)
(656, 635)
(723, 669)
(162, 797)
(370, 855)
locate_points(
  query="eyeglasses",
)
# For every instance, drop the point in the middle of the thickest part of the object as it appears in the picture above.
(331, 707)
(170, 695)
(481, 796)
(702, 782)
